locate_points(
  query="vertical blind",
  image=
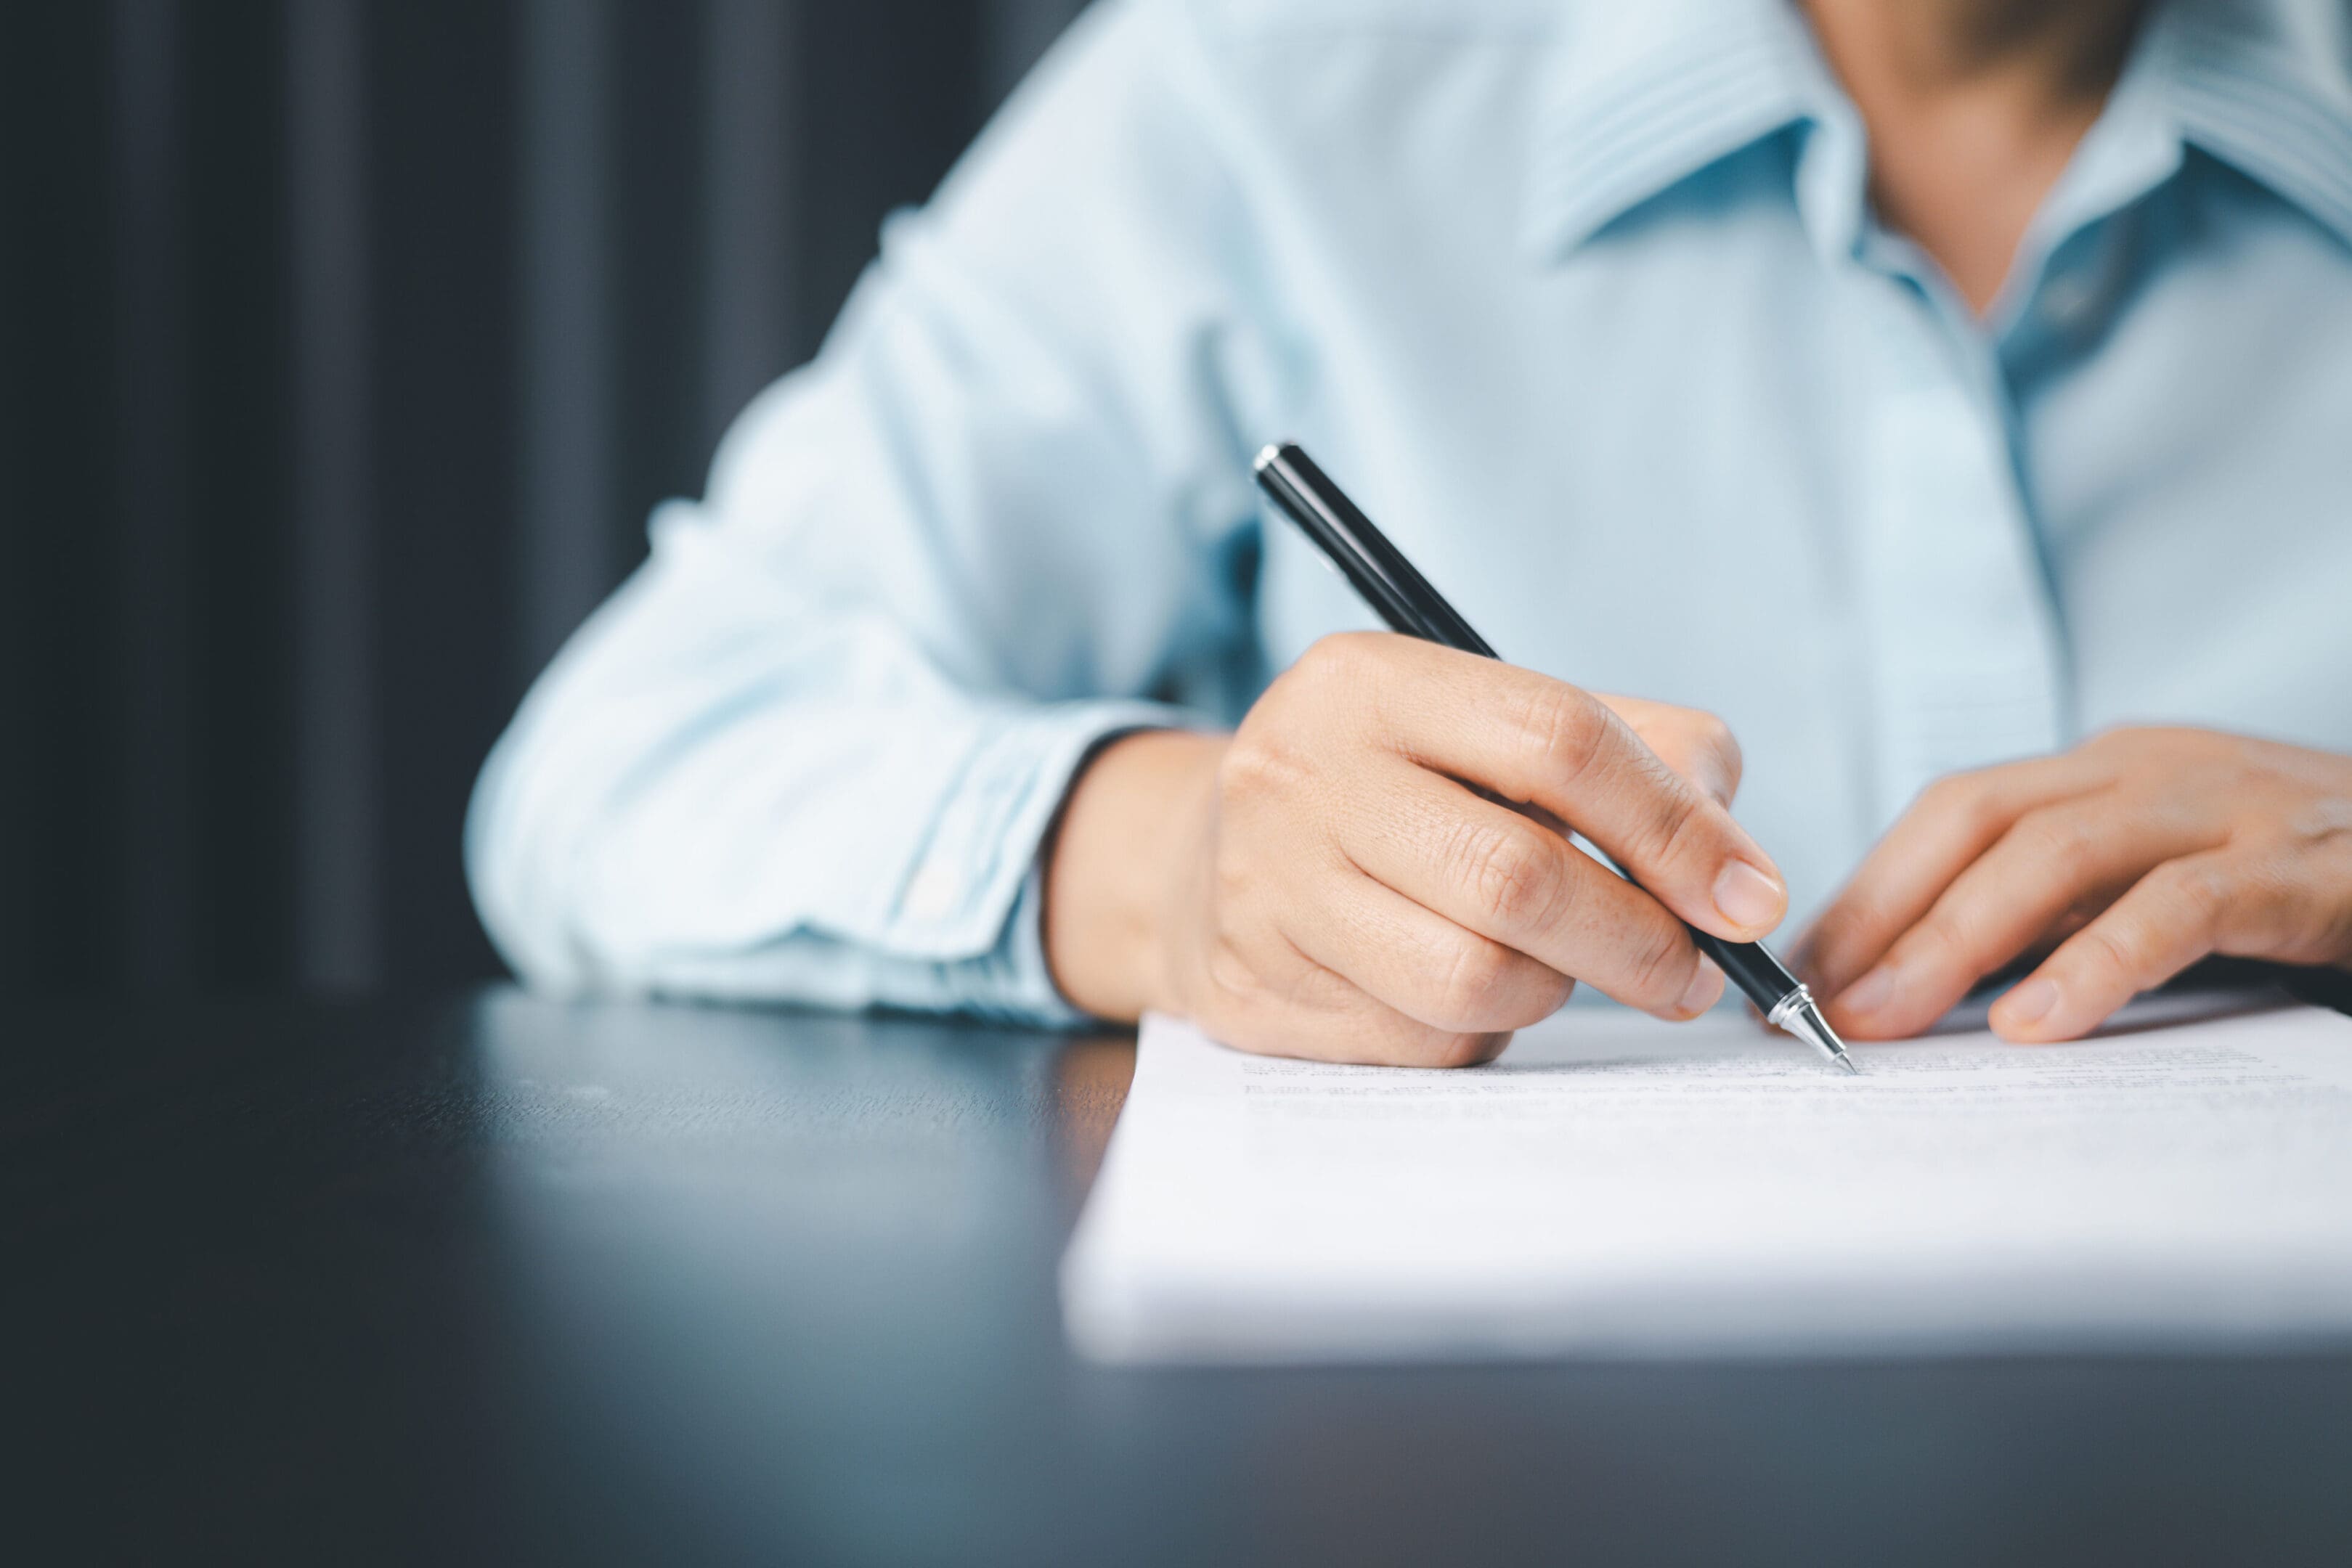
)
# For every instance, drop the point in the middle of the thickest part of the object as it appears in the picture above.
(344, 347)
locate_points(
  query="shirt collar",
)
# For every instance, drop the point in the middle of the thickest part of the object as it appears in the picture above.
(2266, 86)
(1650, 94)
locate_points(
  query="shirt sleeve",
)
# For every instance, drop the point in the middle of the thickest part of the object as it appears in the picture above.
(810, 749)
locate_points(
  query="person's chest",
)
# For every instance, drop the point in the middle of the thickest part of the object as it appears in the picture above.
(1697, 462)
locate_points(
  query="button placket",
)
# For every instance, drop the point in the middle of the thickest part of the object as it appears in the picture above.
(1964, 644)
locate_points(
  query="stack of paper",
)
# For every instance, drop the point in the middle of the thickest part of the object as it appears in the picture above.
(1617, 1186)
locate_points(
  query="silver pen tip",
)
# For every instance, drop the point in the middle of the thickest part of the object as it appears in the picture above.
(1805, 1021)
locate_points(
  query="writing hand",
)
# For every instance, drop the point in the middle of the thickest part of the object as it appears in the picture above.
(1330, 882)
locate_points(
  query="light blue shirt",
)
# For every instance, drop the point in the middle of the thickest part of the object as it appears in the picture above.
(1585, 302)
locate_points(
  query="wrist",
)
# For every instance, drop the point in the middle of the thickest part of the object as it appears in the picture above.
(1127, 833)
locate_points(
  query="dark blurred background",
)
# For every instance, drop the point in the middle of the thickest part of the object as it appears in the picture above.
(344, 347)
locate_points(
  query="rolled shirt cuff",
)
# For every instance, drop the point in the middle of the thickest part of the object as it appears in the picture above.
(974, 896)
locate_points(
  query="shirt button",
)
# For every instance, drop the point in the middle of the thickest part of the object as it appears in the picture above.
(2068, 299)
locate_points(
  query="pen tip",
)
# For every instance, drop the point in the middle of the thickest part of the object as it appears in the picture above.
(1807, 1024)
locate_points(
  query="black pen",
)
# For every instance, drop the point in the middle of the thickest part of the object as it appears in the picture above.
(1404, 599)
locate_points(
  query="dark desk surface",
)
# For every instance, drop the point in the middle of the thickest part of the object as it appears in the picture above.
(496, 1278)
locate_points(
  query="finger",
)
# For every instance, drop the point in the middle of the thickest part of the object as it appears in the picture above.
(1953, 822)
(2052, 861)
(2166, 922)
(2238, 902)
(1696, 745)
(1422, 965)
(1532, 738)
(1490, 871)
(1282, 1003)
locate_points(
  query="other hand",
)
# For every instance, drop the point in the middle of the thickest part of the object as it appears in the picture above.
(1346, 877)
(2136, 854)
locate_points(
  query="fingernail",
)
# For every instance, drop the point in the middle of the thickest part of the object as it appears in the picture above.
(1869, 994)
(1745, 897)
(1704, 990)
(2030, 1003)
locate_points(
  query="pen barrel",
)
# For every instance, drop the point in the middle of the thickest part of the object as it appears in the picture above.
(1376, 568)
(1761, 978)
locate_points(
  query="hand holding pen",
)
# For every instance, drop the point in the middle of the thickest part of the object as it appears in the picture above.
(1337, 879)
(1404, 599)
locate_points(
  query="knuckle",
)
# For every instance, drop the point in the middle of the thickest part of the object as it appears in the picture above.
(1951, 934)
(1320, 679)
(1675, 823)
(1661, 965)
(2065, 842)
(1257, 765)
(2274, 907)
(1339, 660)
(1711, 736)
(2324, 822)
(1474, 972)
(1963, 799)
(1563, 728)
(1515, 881)
(2200, 891)
(2226, 750)
(2122, 741)
(1310, 988)
(1326, 656)
(2111, 952)
(1229, 968)
(1981, 814)
(1945, 794)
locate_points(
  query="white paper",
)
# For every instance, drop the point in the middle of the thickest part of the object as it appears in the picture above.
(1619, 1186)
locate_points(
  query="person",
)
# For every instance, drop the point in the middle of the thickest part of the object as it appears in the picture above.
(1947, 398)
